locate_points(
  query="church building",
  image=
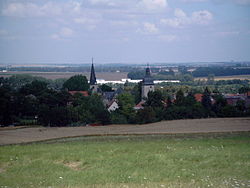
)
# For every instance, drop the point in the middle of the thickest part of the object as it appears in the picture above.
(93, 82)
(147, 84)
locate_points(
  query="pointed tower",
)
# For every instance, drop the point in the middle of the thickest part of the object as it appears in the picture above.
(147, 84)
(92, 82)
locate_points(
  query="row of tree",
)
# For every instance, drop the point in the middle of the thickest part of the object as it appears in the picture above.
(157, 108)
(35, 101)
(50, 107)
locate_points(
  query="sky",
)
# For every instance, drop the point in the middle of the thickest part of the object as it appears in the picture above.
(124, 31)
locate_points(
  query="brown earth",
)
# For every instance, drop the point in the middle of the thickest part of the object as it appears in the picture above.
(215, 125)
(108, 76)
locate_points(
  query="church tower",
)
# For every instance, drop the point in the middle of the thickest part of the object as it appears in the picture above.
(147, 84)
(93, 82)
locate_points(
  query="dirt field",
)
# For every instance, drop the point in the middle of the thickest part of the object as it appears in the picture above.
(108, 76)
(215, 125)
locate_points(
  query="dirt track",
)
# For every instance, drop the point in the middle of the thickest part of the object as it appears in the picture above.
(165, 127)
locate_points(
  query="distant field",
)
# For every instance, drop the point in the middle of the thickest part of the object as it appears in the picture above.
(109, 76)
(132, 162)
(241, 77)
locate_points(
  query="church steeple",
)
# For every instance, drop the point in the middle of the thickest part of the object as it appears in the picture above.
(92, 75)
(147, 84)
(148, 71)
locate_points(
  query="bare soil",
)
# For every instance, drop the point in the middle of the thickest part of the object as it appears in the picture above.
(215, 125)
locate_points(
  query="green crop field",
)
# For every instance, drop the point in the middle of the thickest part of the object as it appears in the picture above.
(129, 162)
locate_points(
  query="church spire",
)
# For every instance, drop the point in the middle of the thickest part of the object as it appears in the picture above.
(92, 75)
(148, 71)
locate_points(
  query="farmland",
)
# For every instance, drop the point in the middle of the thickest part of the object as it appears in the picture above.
(195, 126)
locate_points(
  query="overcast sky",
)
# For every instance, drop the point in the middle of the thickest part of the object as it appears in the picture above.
(127, 31)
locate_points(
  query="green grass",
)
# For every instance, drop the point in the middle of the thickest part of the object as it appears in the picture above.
(129, 162)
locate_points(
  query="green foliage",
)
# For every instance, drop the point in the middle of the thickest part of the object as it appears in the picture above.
(35, 88)
(219, 71)
(244, 89)
(5, 106)
(117, 118)
(179, 98)
(90, 109)
(206, 99)
(136, 75)
(76, 83)
(126, 104)
(146, 115)
(105, 88)
(136, 92)
(155, 99)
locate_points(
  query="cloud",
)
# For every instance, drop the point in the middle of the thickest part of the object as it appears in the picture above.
(84, 20)
(181, 19)
(153, 5)
(188, 1)
(27, 9)
(64, 33)
(111, 3)
(227, 33)
(168, 38)
(150, 28)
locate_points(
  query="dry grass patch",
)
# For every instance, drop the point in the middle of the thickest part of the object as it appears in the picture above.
(73, 165)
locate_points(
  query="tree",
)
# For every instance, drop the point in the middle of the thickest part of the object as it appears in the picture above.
(105, 88)
(169, 101)
(126, 104)
(244, 89)
(76, 83)
(36, 87)
(206, 99)
(5, 106)
(146, 115)
(136, 92)
(136, 75)
(155, 99)
(179, 98)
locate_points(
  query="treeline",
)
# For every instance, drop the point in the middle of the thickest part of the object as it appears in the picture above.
(31, 100)
(184, 75)
(158, 108)
(220, 71)
(36, 103)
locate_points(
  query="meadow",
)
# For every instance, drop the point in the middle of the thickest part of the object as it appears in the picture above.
(129, 161)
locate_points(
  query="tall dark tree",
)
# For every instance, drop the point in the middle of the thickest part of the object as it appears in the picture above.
(155, 99)
(6, 117)
(206, 99)
(179, 98)
(136, 92)
(76, 83)
(105, 88)
(169, 102)
(36, 88)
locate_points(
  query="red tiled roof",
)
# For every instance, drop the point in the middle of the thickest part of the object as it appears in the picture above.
(84, 93)
(140, 104)
(198, 97)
